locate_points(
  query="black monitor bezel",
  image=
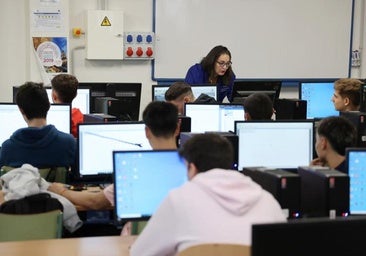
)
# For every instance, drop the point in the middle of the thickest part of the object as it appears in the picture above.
(269, 87)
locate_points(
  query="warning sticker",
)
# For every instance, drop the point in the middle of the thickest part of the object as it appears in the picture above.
(106, 22)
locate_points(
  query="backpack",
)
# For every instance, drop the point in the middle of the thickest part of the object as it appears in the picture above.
(37, 203)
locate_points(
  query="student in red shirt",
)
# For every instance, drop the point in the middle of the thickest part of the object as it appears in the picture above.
(64, 90)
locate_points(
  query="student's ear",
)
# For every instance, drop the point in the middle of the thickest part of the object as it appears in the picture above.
(54, 96)
(177, 130)
(346, 101)
(192, 170)
(186, 99)
(246, 116)
(147, 132)
(323, 143)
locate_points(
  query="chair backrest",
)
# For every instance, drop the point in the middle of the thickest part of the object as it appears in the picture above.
(216, 249)
(18, 227)
(37, 203)
(52, 174)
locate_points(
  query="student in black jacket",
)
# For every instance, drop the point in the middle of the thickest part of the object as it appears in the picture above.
(180, 93)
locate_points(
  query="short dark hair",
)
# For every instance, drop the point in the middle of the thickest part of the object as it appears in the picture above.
(259, 106)
(178, 89)
(339, 131)
(161, 117)
(208, 151)
(33, 100)
(66, 87)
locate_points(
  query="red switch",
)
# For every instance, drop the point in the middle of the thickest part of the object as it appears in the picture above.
(149, 51)
(139, 51)
(129, 51)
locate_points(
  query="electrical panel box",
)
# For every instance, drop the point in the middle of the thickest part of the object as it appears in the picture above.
(139, 45)
(104, 35)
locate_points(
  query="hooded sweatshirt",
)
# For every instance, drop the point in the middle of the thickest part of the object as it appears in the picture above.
(217, 206)
(41, 147)
(25, 181)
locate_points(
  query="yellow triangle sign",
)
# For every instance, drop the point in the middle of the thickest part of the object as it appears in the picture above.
(106, 22)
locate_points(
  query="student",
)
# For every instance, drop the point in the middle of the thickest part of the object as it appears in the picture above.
(216, 205)
(258, 106)
(334, 134)
(64, 91)
(215, 68)
(347, 95)
(40, 144)
(180, 93)
(161, 120)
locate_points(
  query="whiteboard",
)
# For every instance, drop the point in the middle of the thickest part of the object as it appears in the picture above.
(283, 39)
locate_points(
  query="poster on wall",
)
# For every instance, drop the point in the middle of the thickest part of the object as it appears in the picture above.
(52, 53)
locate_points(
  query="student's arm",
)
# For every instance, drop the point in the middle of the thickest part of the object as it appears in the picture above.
(85, 199)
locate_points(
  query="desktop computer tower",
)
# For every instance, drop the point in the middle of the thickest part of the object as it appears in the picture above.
(185, 126)
(324, 192)
(99, 118)
(233, 138)
(112, 106)
(290, 109)
(283, 185)
(358, 119)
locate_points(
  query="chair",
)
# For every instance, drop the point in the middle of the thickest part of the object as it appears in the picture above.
(216, 249)
(18, 227)
(137, 227)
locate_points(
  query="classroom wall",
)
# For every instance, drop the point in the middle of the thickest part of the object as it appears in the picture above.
(19, 65)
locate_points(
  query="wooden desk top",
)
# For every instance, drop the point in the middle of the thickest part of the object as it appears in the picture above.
(84, 246)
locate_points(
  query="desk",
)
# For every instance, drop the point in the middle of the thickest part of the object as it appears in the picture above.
(85, 246)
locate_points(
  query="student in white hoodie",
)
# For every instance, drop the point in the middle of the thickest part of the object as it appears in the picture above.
(217, 205)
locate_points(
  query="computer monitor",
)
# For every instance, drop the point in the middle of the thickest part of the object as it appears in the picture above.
(11, 119)
(358, 119)
(318, 96)
(215, 117)
(282, 144)
(356, 165)
(96, 90)
(81, 101)
(142, 179)
(97, 141)
(242, 89)
(310, 236)
(129, 95)
(158, 91)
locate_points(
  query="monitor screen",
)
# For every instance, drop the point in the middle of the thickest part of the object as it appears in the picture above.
(158, 91)
(216, 117)
(356, 162)
(97, 141)
(142, 179)
(275, 144)
(310, 236)
(81, 101)
(318, 96)
(242, 89)
(11, 119)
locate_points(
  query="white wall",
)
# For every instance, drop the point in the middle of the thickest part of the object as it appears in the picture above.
(18, 65)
